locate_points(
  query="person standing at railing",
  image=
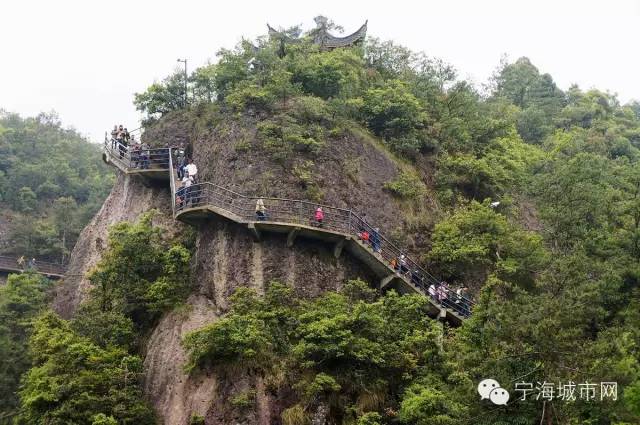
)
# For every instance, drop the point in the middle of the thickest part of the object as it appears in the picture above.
(375, 240)
(183, 193)
(122, 140)
(433, 291)
(144, 156)
(180, 160)
(402, 264)
(319, 216)
(191, 170)
(363, 235)
(135, 155)
(463, 300)
(21, 262)
(443, 293)
(261, 210)
(114, 136)
(416, 278)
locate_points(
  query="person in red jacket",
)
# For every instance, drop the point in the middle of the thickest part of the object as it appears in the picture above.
(319, 216)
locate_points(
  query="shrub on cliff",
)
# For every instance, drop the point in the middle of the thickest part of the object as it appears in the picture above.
(141, 274)
(347, 349)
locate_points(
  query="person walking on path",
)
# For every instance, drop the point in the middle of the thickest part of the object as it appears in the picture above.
(261, 210)
(191, 170)
(375, 240)
(21, 262)
(319, 216)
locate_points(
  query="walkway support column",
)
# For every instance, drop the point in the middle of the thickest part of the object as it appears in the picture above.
(385, 281)
(291, 238)
(337, 249)
(254, 232)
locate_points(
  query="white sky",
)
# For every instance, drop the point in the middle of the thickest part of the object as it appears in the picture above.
(85, 59)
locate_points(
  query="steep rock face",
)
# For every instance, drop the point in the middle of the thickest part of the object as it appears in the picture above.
(129, 198)
(350, 170)
(227, 258)
(350, 173)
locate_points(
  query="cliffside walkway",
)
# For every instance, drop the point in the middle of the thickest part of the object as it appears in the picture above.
(295, 218)
(9, 264)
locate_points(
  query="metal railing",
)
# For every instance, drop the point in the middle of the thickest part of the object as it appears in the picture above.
(11, 264)
(339, 220)
(136, 157)
(294, 212)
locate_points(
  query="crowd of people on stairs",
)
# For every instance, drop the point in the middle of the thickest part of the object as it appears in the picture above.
(187, 172)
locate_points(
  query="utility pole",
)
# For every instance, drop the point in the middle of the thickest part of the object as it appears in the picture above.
(185, 80)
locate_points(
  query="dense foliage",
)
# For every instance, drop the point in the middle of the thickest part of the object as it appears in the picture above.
(88, 370)
(347, 352)
(21, 300)
(52, 180)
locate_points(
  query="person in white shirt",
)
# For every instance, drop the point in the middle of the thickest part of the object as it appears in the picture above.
(432, 291)
(191, 170)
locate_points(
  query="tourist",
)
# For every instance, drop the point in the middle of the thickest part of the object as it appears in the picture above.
(462, 295)
(120, 134)
(261, 210)
(402, 264)
(432, 292)
(375, 240)
(416, 278)
(183, 193)
(191, 170)
(135, 155)
(363, 235)
(180, 160)
(123, 144)
(127, 136)
(443, 293)
(319, 216)
(114, 136)
(144, 156)
(21, 262)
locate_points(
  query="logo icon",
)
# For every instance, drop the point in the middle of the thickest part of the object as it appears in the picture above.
(491, 389)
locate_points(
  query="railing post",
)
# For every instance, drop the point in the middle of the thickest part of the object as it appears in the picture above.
(172, 184)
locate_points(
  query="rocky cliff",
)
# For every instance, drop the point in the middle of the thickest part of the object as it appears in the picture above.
(226, 257)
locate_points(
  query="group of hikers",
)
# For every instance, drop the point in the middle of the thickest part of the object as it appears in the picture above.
(125, 142)
(187, 173)
(456, 299)
(30, 265)
(441, 293)
(317, 217)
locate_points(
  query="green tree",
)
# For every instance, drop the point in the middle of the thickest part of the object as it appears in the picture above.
(141, 274)
(75, 381)
(21, 300)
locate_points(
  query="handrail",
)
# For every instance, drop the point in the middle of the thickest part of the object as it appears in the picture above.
(341, 220)
(131, 158)
(297, 211)
(43, 267)
(172, 183)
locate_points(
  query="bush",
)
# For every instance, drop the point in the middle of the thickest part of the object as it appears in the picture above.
(406, 186)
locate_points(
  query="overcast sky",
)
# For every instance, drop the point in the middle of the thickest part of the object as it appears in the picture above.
(85, 59)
